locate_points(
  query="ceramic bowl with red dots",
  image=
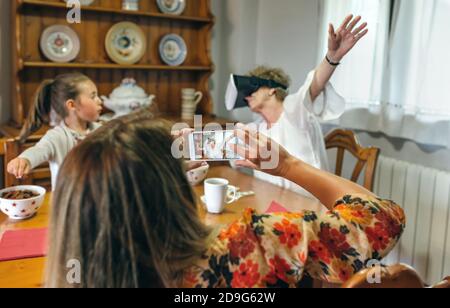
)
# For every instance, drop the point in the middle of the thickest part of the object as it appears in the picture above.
(17, 208)
(196, 176)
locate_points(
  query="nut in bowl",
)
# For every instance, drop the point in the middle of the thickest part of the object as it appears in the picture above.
(196, 176)
(21, 202)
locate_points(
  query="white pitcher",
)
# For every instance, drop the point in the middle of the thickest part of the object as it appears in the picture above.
(190, 100)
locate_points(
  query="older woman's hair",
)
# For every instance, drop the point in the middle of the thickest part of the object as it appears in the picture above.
(124, 210)
(275, 74)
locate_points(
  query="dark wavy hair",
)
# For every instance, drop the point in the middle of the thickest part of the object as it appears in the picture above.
(124, 209)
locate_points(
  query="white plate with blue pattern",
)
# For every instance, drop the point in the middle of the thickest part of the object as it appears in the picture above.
(173, 50)
(173, 7)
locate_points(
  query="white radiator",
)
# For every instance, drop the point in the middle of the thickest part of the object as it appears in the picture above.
(424, 194)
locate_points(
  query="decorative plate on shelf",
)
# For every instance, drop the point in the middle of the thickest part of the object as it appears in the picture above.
(173, 50)
(125, 43)
(60, 44)
(174, 7)
(84, 2)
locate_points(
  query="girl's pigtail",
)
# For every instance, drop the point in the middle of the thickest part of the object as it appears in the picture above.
(39, 113)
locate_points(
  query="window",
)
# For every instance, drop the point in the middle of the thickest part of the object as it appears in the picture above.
(359, 84)
(419, 58)
(396, 79)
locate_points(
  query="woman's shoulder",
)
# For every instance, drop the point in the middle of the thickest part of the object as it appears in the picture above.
(239, 247)
(245, 253)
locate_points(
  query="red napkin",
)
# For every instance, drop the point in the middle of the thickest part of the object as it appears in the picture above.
(23, 244)
(276, 208)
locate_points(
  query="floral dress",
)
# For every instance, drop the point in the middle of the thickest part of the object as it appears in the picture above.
(277, 250)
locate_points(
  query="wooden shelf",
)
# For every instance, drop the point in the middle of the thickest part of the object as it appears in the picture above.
(205, 20)
(116, 66)
(29, 67)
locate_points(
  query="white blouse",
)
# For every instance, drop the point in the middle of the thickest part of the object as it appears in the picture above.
(298, 130)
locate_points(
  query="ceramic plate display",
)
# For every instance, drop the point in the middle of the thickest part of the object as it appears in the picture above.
(125, 43)
(84, 2)
(60, 43)
(173, 50)
(174, 7)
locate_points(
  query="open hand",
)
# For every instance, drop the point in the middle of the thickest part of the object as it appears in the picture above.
(343, 40)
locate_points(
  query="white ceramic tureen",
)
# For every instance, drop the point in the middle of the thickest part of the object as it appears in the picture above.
(127, 98)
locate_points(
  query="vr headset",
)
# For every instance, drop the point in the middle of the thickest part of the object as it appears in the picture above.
(240, 87)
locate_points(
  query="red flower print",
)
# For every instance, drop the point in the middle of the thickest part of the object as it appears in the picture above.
(190, 279)
(357, 214)
(334, 241)
(392, 227)
(289, 216)
(279, 269)
(302, 257)
(378, 237)
(318, 251)
(247, 276)
(232, 230)
(288, 233)
(398, 213)
(242, 244)
(342, 269)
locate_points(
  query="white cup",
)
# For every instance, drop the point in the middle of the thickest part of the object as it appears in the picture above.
(218, 194)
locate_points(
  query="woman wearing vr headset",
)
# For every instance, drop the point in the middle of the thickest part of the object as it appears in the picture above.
(293, 120)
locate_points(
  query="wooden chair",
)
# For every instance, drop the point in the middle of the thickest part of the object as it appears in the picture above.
(40, 176)
(392, 277)
(345, 140)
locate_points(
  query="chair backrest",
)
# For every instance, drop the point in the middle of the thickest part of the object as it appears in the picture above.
(393, 276)
(40, 176)
(345, 140)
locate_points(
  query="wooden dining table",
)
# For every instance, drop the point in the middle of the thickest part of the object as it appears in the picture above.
(28, 273)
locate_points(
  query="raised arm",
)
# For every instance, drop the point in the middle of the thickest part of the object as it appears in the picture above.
(340, 42)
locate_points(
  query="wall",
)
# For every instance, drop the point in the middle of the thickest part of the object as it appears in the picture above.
(234, 47)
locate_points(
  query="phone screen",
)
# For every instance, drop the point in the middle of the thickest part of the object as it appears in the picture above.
(213, 146)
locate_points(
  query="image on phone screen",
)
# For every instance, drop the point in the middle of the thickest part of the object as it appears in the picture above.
(213, 146)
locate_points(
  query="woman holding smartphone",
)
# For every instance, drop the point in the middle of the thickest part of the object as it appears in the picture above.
(124, 203)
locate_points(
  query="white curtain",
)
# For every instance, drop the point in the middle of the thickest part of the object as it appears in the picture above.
(410, 83)
(419, 65)
(359, 78)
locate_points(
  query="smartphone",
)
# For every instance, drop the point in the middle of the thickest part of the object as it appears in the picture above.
(213, 146)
